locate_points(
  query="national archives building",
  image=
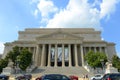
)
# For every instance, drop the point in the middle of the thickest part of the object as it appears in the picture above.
(61, 47)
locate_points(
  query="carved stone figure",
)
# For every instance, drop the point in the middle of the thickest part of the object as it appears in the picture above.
(10, 63)
(108, 65)
(9, 69)
(110, 68)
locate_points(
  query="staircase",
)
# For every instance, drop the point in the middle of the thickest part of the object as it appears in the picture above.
(78, 71)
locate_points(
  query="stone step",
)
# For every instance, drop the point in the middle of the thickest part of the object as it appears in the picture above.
(78, 71)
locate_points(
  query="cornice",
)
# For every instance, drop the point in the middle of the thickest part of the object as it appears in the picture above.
(99, 41)
(67, 30)
(111, 44)
(24, 42)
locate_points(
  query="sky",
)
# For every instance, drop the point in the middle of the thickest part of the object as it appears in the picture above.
(102, 15)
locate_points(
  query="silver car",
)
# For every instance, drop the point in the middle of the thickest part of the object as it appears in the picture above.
(97, 77)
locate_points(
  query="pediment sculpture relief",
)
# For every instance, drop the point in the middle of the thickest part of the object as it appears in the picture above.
(59, 35)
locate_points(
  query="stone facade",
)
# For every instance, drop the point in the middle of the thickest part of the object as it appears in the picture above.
(61, 46)
(0, 56)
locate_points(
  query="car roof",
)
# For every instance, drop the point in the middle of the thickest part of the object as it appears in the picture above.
(53, 74)
(113, 73)
(98, 74)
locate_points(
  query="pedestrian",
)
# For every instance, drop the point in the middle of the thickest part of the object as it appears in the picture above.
(83, 77)
(86, 76)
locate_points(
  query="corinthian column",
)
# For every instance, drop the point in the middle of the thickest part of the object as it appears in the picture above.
(82, 55)
(43, 55)
(69, 48)
(106, 53)
(37, 56)
(63, 55)
(34, 54)
(76, 55)
(100, 49)
(56, 55)
(49, 55)
(95, 49)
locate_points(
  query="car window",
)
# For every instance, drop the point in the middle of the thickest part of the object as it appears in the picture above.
(111, 76)
(115, 76)
(105, 77)
(47, 77)
(97, 75)
(55, 77)
(65, 78)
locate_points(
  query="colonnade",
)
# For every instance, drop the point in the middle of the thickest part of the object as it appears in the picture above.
(42, 55)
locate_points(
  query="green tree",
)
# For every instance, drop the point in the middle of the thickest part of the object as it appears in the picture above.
(94, 59)
(3, 64)
(13, 54)
(116, 62)
(24, 59)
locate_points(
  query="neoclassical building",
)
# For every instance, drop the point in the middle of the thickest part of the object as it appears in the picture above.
(61, 47)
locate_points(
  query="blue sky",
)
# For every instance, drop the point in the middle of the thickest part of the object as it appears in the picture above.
(16, 15)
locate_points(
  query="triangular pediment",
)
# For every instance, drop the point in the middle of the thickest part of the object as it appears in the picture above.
(59, 35)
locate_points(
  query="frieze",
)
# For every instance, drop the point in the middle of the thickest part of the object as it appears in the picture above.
(59, 35)
(59, 42)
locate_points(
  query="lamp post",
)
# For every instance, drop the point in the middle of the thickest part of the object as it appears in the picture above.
(102, 63)
(15, 68)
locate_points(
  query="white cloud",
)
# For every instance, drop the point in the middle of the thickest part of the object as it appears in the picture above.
(45, 7)
(36, 13)
(77, 13)
(1, 47)
(107, 7)
(34, 1)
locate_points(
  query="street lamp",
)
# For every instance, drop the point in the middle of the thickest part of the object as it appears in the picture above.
(102, 63)
(15, 68)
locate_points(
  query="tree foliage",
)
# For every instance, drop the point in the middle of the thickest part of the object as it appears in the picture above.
(13, 54)
(94, 59)
(24, 59)
(3, 64)
(116, 62)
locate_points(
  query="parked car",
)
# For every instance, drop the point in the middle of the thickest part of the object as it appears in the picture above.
(97, 77)
(72, 77)
(24, 77)
(53, 77)
(4, 77)
(111, 76)
(39, 78)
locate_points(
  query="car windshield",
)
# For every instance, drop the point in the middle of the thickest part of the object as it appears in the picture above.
(55, 77)
(112, 76)
(97, 75)
(115, 76)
